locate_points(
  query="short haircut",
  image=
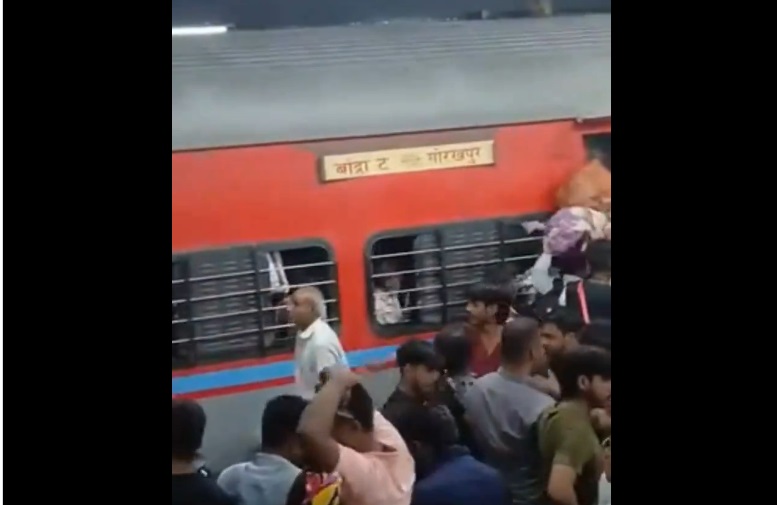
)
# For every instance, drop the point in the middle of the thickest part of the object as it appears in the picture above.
(489, 294)
(360, 407)
(280, 420)
(319, 301)
(385, 270)
(453, 344)
(598, 334)
(582, 361)
(565, 319)
(419, 352)
(188, 429)
(517, 338)
(599, 256)
(433, 426)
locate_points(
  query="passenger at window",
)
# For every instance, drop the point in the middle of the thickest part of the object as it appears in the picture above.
(388, 309)
(190, 487)
(446, 472)
(488, 308)
(419, 373)
(275, 474)
(572, 456)
(342, 432)
(503, 408)
(317, 346)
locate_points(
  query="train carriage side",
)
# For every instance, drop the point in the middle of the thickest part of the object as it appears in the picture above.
(256, 116)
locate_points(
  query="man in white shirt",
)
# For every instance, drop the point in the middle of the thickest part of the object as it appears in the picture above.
(317, 345)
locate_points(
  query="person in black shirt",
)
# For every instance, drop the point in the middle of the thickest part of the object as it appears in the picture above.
(190, 487)
(453, 344)
(592, 297)
(419, 367)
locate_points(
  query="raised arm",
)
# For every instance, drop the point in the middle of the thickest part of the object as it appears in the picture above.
(315, 427)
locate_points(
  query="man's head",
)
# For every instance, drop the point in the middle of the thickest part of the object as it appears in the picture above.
(560, 330)
(419, 366)
(188, 429)
(597, 334)
(455, 347)
(522, 346)
(279, 427)
(488, 303)
(599, 257)
(305, 306)
(387, 278)
(428, 433)
(355, 420)
(584, 373)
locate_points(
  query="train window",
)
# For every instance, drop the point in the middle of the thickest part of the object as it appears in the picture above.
(419, 278)
(599, 146)
(230, 303)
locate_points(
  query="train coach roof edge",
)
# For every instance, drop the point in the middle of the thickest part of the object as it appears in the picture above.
(251, 88)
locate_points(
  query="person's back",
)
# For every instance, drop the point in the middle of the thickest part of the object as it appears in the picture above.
(273, 476)
(190, 487)
(196, 489)
(342, 432)
(462, 480)
(266, 479)
(503, 408)
(592, 298)
(447, 474)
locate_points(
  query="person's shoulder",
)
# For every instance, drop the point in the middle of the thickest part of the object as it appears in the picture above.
(208, 492)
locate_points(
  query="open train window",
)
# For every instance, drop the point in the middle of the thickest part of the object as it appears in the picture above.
(418, 278)
(230, 303)
(599, 146)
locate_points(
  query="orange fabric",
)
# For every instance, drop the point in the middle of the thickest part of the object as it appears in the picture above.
(591, 187)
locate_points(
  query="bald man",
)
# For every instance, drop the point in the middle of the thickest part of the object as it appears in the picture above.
(503, 407)
(317, 346)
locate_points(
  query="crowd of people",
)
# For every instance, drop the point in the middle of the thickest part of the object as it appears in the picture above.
(512, 406)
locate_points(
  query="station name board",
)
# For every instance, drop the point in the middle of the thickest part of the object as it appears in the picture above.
(401, 161)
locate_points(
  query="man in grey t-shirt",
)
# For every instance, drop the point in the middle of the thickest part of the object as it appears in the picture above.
(503, 410)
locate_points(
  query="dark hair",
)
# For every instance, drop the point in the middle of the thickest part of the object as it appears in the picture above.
(582, 361)
(433, 426)
(566, 320)
(517, 338)
(418, 352)
(360, 406)
(383, 269)
(453, 344)
(280, 420)
(188, 429)
(598, 334)
(492, 294)
(599, 256)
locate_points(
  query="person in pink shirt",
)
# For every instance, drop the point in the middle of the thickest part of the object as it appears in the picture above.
(342, 432)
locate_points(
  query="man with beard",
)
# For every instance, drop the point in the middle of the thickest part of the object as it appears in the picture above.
(503, 408)
(419, 368)
(572, 458)
(488, 308)
(563, 330)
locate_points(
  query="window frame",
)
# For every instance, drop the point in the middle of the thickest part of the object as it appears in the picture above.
(256, 248)
(400, 330)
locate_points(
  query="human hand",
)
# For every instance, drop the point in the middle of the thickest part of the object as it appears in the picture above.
(341, 375)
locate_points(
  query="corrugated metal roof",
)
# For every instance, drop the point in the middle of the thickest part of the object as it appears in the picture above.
(248, 88)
